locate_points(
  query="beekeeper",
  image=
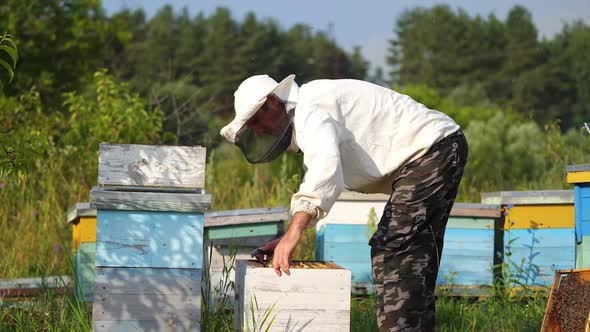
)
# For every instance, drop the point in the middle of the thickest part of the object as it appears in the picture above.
(362, 137)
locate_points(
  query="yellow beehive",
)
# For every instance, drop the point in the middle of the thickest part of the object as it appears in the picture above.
(83, 220)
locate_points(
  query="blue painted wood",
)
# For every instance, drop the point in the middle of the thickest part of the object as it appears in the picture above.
(149, 239)
(347, 252)
(467, 258)
(345, 233)
(535, 254)
(85, 271)
(468, 254)
(582, 201)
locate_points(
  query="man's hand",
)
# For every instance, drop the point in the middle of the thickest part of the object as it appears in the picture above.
(281, 259)
(269, 247)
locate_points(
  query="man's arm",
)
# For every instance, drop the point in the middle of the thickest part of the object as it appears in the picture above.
(284, 250)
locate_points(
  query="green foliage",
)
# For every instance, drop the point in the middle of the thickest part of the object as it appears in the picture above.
(446, 49)
(22, 134)
(62, 171)
(8, 60)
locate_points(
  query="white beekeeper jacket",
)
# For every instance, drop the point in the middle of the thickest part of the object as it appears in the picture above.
(356, 136)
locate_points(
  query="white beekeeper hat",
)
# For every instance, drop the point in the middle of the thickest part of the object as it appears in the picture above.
(251, 95)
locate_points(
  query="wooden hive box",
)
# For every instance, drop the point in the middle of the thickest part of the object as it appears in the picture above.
(149, 241)
(315, 298)
(579, 176)
(156, 166)
(233, 234)
(343, 236)
(539, 234)
(470, 249)
(82, 217)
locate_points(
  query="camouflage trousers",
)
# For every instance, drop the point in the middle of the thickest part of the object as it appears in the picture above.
(408, 243)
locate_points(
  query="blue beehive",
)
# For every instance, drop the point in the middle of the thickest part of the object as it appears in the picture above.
(470, 249)
(469, 246)
(579, 176)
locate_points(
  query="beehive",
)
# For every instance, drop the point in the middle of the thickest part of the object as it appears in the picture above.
(343, 236)
(232, 235)
(538, 233)
(579, 176)
(315, 297)
(149, 241)
(470, 249)
(82, 217)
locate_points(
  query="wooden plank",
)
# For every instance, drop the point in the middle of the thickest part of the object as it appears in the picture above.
(354, 196)
(578, 168)
(78, 210)
(528, 197)
(25, 287)
(578, 177)
(476, 210)
(352, 212)
(540, 252)
(151, 165)
(239, 231)
(152, 281)
(239, 217)
(583, 253)
(148, 298)
(87, 229)
(149, 201)
(309, 299)
(540, 216)
(85, 271)
(170, 325)
(149, 239)
(465, 222)
(249, 241)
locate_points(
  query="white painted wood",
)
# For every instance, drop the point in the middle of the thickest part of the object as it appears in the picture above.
(352, 212)
(149, 201)
(307, 300)
(528, 197)
(151, 165)
(147, 298)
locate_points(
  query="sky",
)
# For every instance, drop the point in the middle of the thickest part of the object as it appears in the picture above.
(366, 23)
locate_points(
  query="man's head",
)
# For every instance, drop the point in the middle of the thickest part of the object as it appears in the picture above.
(264, 108)
(270, 119)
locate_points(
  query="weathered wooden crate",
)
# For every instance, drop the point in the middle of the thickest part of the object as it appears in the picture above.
(232, 235)
(316, 298)
(539, 233)
(579, 176)
(158, 166)
(149, 239)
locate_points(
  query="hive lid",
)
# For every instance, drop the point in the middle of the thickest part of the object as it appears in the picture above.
(529, 197)
(245, 216)
(149, 201)
(82, 209)
(476, 210)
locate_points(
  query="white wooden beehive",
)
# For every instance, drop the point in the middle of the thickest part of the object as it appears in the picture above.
(314, 298)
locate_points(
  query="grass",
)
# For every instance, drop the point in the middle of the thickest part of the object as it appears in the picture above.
(55, 312)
